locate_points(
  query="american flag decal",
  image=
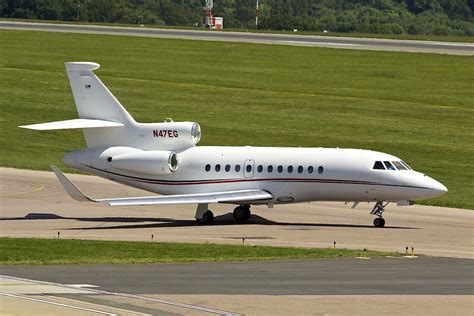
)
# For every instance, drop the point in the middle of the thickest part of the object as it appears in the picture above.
(87, 86)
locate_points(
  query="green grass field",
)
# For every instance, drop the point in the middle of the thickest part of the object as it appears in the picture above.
(419, 107)
(67, 251)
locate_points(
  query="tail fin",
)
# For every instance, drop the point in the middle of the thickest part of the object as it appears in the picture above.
(106, 123)
(93, 99)
(103, 119)
(95, 102)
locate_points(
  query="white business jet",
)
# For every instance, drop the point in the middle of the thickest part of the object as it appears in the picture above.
(163, 158)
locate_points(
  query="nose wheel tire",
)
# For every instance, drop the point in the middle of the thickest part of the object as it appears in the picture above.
(241, 213)
(379, 222)
(207, 218)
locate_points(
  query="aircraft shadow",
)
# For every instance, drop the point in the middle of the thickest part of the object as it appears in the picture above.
(157, 222)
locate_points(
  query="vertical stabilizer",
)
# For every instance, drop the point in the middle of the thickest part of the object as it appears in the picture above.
(94, 101)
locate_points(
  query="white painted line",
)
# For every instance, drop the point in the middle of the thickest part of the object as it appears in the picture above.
(172, 303)
(453, 44)
(410, 257)
(365, 258)
(133, 296)
(318, 43)
(55, 303)
(82, 285)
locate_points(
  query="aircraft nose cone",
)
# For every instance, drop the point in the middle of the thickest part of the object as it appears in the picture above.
(437, 187)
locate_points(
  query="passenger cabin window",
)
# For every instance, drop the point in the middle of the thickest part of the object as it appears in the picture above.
(260, 168)
(389, 165)
(237, 168)
(399, 165)
(320, 169)
(227, 168)
(310, 169)
(290, 169)
(280, 169)
(300, 169)
(379, 165)
(248, 168)
(218, 168)
(270, 169)
(208, 167)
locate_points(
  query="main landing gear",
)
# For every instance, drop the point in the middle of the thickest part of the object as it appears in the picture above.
(242, 213)
(378, 210)
(205, 216)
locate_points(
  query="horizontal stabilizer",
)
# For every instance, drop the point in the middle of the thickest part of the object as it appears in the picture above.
(72, 124)
(238, 196)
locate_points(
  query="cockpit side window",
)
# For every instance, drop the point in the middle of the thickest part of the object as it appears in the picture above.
(389, 165)
(399, 165)
(406, 165)
(379, 165)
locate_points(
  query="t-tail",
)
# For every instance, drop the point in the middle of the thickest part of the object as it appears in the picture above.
(113, 137)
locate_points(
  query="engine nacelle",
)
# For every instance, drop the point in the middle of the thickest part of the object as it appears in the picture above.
(167, 135)
(154, 162)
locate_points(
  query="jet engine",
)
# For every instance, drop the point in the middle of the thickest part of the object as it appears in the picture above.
(154, 162)
(167, 135)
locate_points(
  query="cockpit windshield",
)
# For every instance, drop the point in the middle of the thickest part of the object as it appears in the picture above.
(379, 165)
(399, 165)
(391, 165)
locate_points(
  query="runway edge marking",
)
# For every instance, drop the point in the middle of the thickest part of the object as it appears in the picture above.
(134, 296)
(24, 297)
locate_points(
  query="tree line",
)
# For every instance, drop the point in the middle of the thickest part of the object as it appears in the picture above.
(426, 17)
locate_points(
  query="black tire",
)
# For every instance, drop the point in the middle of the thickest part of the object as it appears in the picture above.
(207, 218)
(379, 222)
(247, 214)
(241, 213)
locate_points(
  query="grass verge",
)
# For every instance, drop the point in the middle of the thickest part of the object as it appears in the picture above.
(69, 251)
(418, 107)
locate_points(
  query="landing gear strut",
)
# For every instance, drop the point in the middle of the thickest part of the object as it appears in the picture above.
(378, 210)
(203, 215)
(242, 213)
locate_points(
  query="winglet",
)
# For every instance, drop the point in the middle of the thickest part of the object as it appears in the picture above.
(69, 187)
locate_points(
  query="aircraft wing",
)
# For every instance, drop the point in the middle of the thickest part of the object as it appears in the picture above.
(237, 196)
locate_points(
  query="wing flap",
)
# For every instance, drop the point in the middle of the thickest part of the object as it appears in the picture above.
(72, 124)
(237, 196)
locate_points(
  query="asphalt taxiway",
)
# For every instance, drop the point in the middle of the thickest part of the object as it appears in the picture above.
(451, 48)
(376, 276)
(395, 285)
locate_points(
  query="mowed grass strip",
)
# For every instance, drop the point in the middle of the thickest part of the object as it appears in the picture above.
(68, 251)
(419, 107)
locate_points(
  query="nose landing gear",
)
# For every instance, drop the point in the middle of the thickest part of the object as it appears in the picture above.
(378, 210)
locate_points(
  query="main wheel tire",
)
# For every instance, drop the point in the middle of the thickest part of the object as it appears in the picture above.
(379, 222)
(241, 213)
(207, 218)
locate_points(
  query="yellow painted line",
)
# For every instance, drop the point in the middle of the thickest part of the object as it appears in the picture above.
(37, 189)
